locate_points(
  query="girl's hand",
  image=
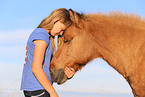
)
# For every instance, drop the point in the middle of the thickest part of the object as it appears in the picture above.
(69, 72)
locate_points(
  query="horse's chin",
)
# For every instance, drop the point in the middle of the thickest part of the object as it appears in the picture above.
(58, 76)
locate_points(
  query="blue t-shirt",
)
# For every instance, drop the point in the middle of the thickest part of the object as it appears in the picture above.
(29, 81)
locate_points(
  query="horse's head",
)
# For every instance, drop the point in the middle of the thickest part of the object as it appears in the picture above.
(75, 49)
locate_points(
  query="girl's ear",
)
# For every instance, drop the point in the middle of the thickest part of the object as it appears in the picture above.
(74, 17)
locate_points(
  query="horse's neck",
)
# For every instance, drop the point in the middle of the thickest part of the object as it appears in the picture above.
(117, 41)
(110, 47)
(112, 59)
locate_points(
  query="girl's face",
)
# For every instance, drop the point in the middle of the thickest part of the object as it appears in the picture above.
(58, 29)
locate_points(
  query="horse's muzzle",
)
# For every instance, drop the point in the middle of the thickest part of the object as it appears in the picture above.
(58, 76)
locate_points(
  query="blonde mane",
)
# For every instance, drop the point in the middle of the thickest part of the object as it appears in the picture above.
(117, 17)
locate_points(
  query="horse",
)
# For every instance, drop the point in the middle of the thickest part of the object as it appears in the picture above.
(116, 37)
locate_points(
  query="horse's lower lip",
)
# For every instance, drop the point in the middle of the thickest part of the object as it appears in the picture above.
(58, 83)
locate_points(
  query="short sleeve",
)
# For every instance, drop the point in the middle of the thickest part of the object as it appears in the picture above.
(41, 35)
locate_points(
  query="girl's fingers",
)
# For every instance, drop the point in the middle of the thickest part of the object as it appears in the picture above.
(69, 69)
(72, 69)
(69, 72)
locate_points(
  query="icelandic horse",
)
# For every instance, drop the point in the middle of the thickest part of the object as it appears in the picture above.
(117, 38)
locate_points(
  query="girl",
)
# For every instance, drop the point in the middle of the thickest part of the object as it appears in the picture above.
(36, 80)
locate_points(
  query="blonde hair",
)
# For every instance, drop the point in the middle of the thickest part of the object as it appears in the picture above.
(60, 14)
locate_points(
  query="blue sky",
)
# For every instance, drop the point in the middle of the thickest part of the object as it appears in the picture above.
(18, 18)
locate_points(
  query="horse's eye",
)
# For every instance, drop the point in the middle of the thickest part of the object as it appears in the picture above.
(67, 41)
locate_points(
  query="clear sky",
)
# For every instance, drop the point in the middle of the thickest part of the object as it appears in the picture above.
(18, 18)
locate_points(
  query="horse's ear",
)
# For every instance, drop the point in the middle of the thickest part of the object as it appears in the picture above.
(74, 17)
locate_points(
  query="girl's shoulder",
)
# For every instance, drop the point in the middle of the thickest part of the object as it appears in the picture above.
(39, 34)
(42, 30)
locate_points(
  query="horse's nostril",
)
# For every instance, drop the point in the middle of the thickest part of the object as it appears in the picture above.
(52, 75)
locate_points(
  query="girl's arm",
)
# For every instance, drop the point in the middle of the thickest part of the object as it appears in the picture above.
(39, 52)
